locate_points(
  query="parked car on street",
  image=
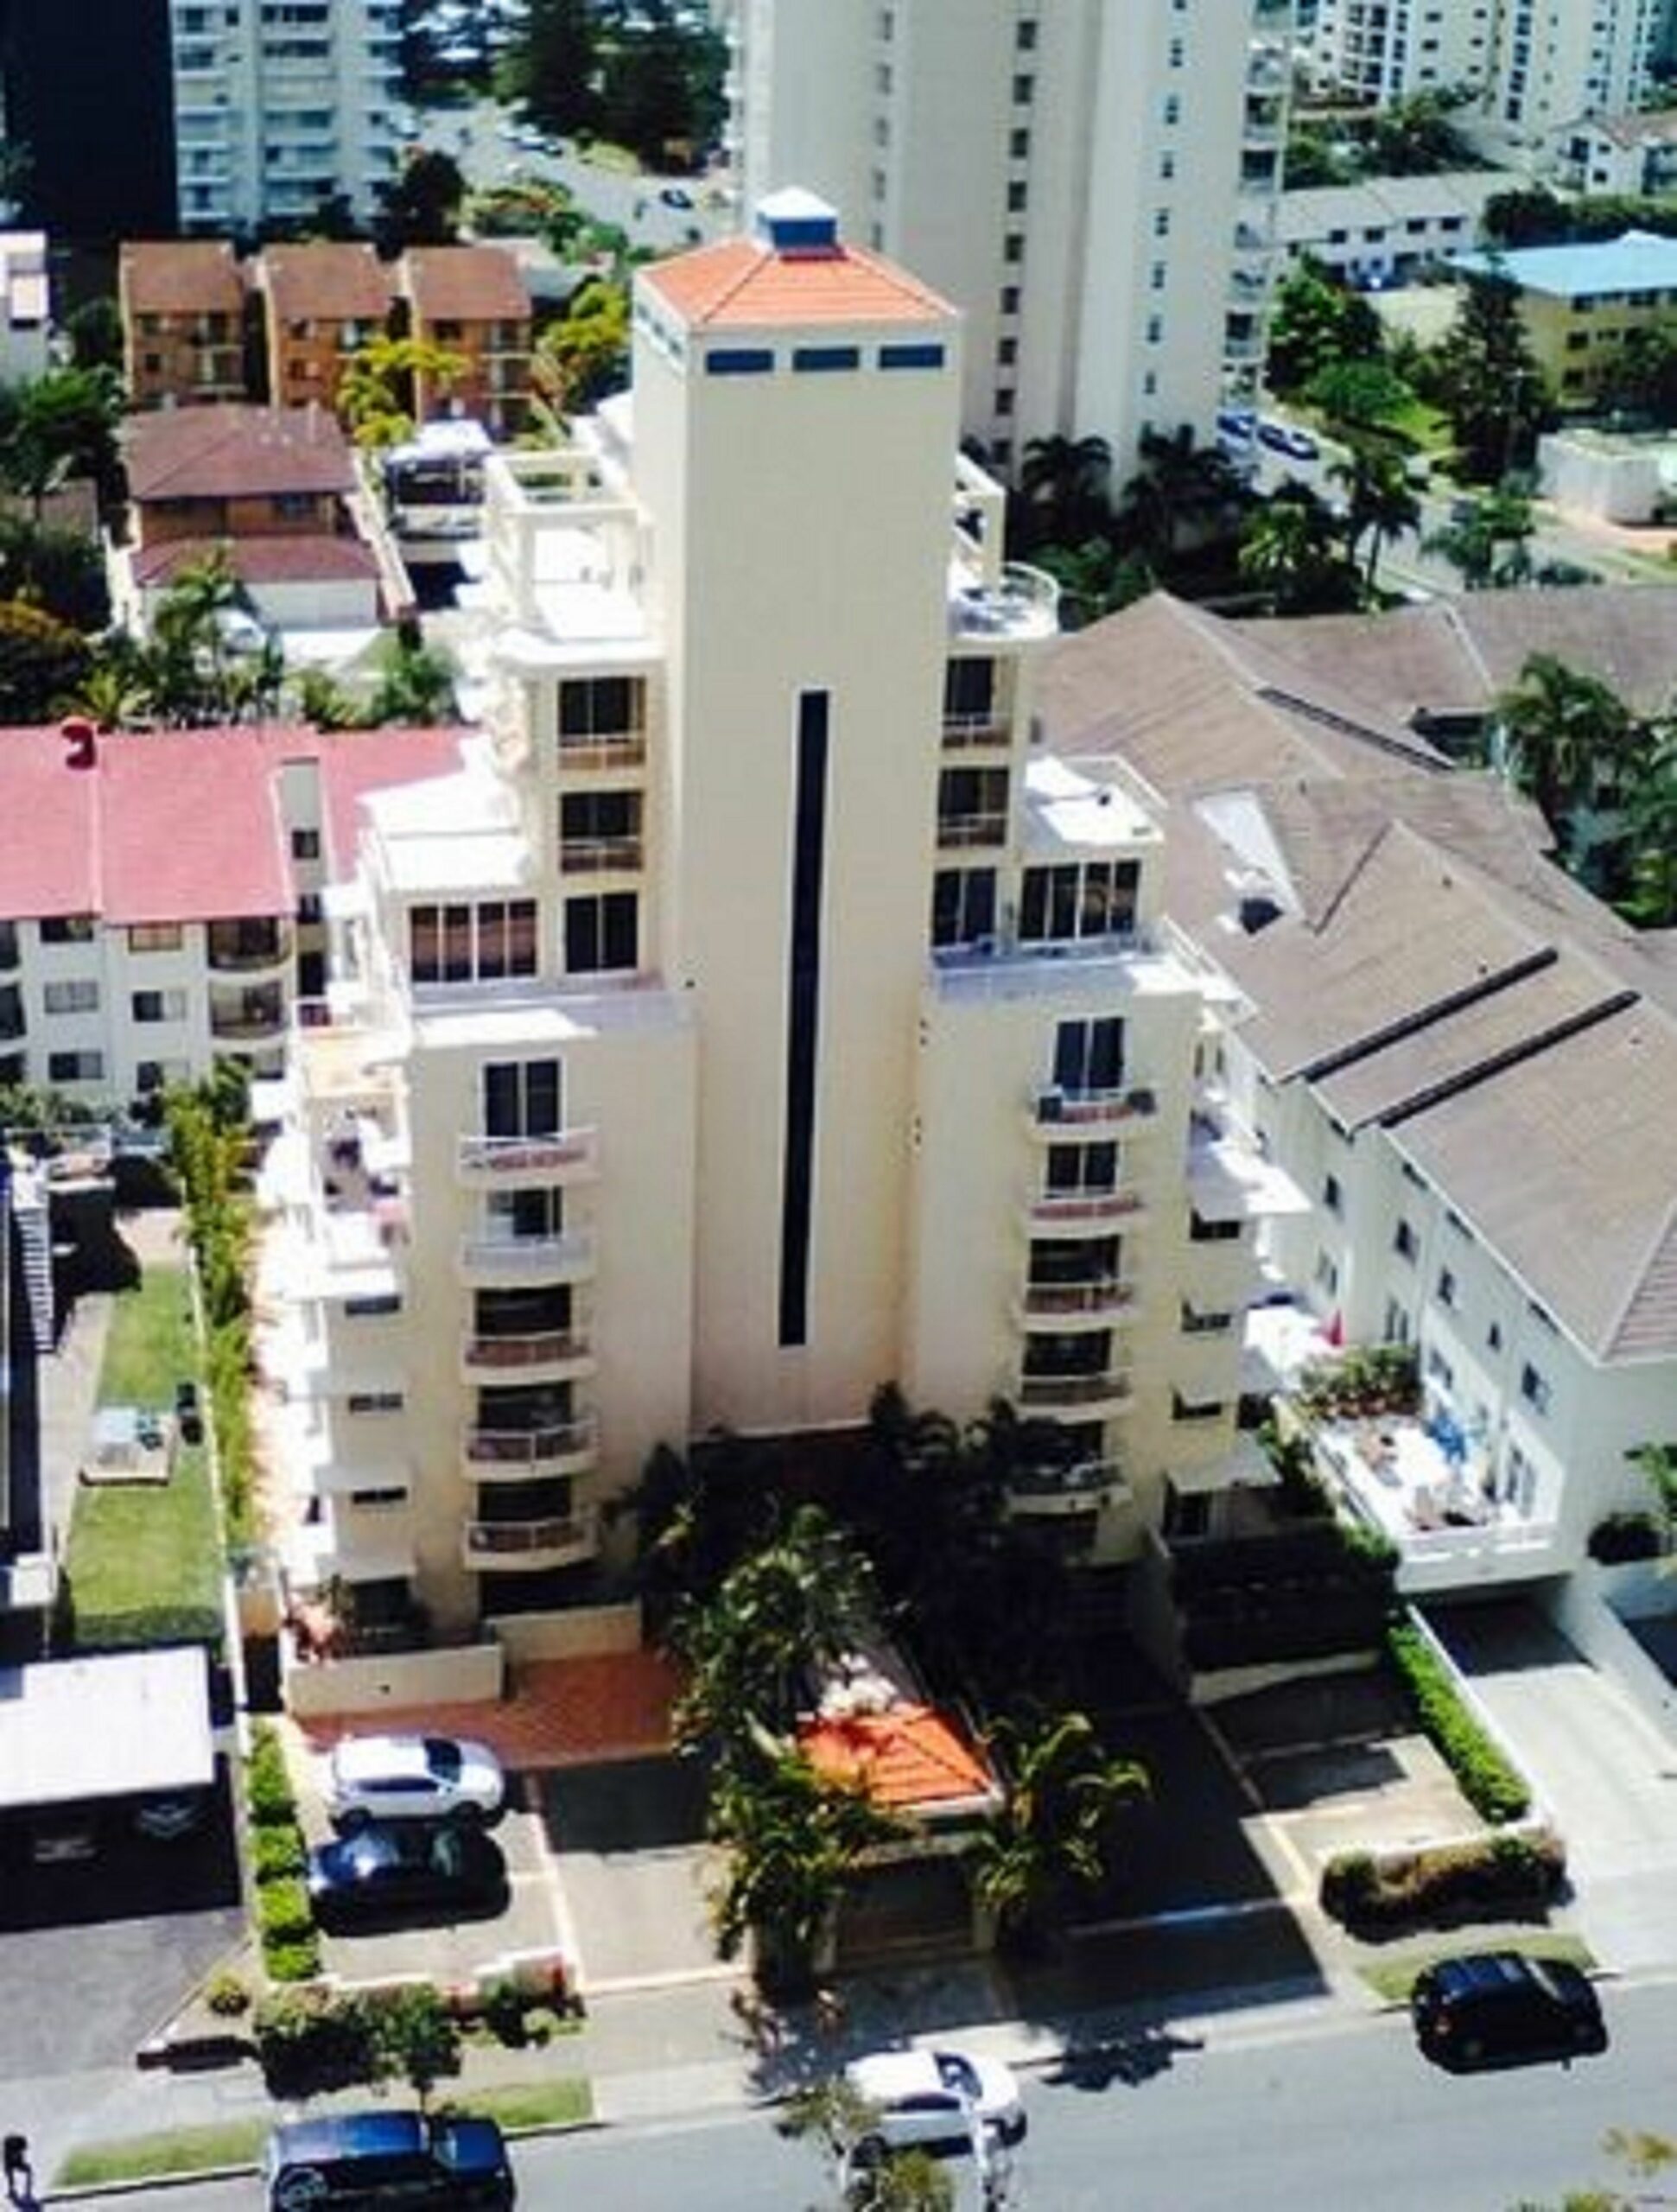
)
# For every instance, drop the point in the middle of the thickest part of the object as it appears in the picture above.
(361, 2158)
(1237, 425)
(936, 2096)
(1287, 438)
(412, 1777)
(188, 1413)
(675, 196)
(1497, 2008)
(429, 1868)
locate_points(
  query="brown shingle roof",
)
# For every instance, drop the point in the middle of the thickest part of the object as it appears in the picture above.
(463, 283)
(308, 557)
(215, 453)
(180, 277)
(325, 281)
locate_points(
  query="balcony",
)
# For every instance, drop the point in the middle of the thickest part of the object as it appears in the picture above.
(1082, 1488)
(588, 756)
(509, 1546)
(960, 832)
(1021, 602)
(599, 855)
(521, 1454)
(1074, 1305)
(245, 948)
(1062, 1107)
(566, 1156)
(550, 1356)
(1071, 1210)
(247, 1017)
(1076, 1396)
(969, 732)
(1444, 1509)
(490, 1261)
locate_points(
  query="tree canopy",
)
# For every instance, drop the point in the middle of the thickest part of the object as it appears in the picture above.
(1488, 381)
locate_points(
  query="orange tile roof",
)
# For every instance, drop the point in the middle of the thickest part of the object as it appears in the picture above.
(464, 284)
(745, 284)
(325, 280)
(180, 277)
(906, 1757)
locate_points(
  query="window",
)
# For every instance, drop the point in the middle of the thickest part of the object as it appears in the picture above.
(294, 507)
(67, 929)
(462, 944)
(1403, 1242)
(1088, 1056)
(75, 1067)
(1200, 1230)
(1009, 299)
(1006, 352)
(1024, 90)
(1024, 36)
(1019, 145)
(962, 905)
(1332, 1197)
(1173, 108)
(310, 907)
(1493, 1336)
(809, 359)
(373, 1306)
(1209, 1322)
(1081, 1170)
(151, 1076)
(1176, 54)
(970, 688)
(1156, 276)
(1155, 332)
(155, 936)
(1013, 247)
(1326, 1273)
(602, 934)
(1534, 1388)
(523, 1098)
(911, 357)
(1195, 1409)
(1017, 194)
(600, 829)
(305, 845)
(593, 706)
(160, 1005)
(1087, 899)
(1439, 1370)
(387, 1495)
(1167, 167)
(375, 1402)
(78, 997)
(738, 361)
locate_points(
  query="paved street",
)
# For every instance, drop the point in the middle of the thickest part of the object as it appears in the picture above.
(1193, 2122)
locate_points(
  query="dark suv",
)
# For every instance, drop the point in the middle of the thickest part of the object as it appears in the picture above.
(373, 2159)
(1495, 2008)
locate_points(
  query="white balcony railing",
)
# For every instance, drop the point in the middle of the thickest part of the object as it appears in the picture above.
(529, 1451)
(1068, 1300)
(513, 1355)
(1061, 1105)
(527, 1258)
(1051, 1209)
(553, 1541)
(1039, 1393)
(599, 855)
(1089, 1479)
(530, 1155)
(956, 832)
(583, 756)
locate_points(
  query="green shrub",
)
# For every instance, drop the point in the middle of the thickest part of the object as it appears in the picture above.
(310, 2041)
(1623, 1536)
(1490, 1785)
(267, 1782)
(283, 1913)
(1488, 1879)
(279, 1852)
(226, 1994)
(296, 1960)
(504, 2007)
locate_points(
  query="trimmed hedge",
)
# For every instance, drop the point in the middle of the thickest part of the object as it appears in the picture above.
(1492, 1879)
(283, 1912)
(278, 1853)
(1488, 1782)
(267, 1780)
(1624, 1537)
(285, 1920)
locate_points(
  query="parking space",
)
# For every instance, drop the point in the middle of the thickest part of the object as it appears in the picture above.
(628, 1837)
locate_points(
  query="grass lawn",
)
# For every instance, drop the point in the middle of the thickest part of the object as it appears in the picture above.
(566, 2102)
(1392, 1979)
(156, 2157)
(143, 1559)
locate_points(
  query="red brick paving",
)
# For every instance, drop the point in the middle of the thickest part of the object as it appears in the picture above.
(562, 1712)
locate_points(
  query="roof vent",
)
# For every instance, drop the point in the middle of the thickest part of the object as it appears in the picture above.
(81, 743)
(796, 222)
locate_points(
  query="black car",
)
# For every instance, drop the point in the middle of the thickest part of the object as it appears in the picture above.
(390, 1869)
(188, 1413)
(370, 2158)
(1497, 2008)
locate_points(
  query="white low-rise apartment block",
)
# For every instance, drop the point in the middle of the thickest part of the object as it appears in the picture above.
(755, 1017)
(1092, 185)
(1459, 1056)
(1531, 65)
(26, 319)
(162, 909)
(277, 109)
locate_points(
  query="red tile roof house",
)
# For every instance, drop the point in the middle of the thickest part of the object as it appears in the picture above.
(323, 302)
(162, 909)
(472, 301)
(277, 487)
(182, 306)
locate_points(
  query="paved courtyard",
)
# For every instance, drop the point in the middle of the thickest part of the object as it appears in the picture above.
(628, 1837)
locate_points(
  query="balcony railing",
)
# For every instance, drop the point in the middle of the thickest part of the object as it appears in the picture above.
(1061, 1207)
(238, 952)
(541, 1155)
(581, 756)
(529, 1451)
(1039, 1392)
(551, 1348)
(598, 856)
(528, 1257)
(1062, 1301)
(961, 731)
(249, 1019)
(549, 1542)
(957, 831)
(1061, 1105)
(1088, 1478)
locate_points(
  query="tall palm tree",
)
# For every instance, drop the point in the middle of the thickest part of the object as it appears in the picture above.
(1064, 485)
(1488, 542)
(1055, 1835)
(1289, 546)
(1651, 816)
(1563, 730)
(1381, 503)
(1180, 493)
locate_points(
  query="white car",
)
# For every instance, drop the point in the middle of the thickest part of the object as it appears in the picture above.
(412, 1777)
(936, 2096)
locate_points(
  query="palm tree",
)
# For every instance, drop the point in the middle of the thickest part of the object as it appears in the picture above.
(114, 693)
(1473, 540)
(1658, 1462)
(1563, 728)
(1064, 483)
(1288, 546)
(1054, 1835)
(416, 684)
(1651, 815)
(1381, 503)
(1179, 494)
(188, 665)
(794, 1839)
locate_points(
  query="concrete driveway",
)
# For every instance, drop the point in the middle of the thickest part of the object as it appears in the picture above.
(628, 1836)
(1605, 1776)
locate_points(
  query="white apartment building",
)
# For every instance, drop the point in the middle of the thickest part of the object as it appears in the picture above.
(164, 909)
(755, 1017)
(1532, 64)
(280, 103)
(25, 306)
(1092, 185)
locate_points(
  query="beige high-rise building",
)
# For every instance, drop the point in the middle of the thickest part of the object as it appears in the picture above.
(756, 1017)
(1092, 184)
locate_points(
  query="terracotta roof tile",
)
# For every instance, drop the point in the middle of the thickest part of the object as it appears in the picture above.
(234, 451)
(745, 283)
(180, 277)
(908, 1755)
(324, 280)
(464, 284)
(310, 559)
